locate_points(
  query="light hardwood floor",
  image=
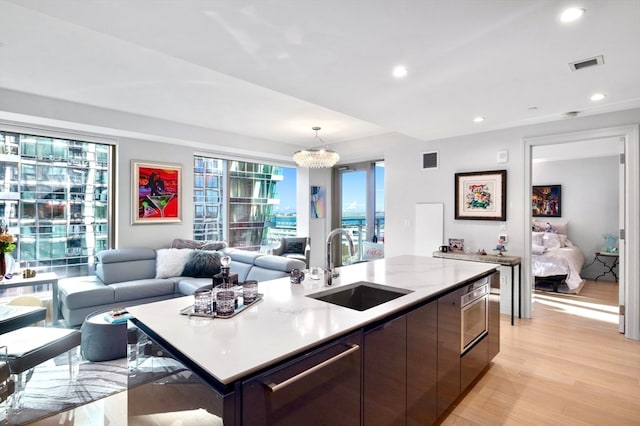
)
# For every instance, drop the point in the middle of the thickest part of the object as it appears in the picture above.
(566, 366)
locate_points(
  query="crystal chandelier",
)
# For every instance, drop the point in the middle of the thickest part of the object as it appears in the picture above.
(316, 158)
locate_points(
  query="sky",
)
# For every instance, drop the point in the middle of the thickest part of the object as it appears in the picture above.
(353, 197)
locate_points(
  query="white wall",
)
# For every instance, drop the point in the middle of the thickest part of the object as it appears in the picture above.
(407, 184)
(590, 201)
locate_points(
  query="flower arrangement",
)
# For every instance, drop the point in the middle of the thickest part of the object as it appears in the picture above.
(7, 244)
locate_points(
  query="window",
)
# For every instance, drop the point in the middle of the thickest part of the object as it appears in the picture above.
(54, 196)
(240, 202)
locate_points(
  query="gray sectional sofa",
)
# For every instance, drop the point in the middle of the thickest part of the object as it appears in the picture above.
(133, 276)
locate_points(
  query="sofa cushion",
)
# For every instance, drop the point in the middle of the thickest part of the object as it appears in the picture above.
(171, 262)
(240, 255)
(118, 265)
(180, 243)
(80, 292)
(202, 264)
(141, 289)
(279, 263)
(187, 286)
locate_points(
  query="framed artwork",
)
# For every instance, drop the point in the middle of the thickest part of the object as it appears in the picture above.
(456, 245)
(317, 202)
(481, 195)
(157, 192)
(546, 201)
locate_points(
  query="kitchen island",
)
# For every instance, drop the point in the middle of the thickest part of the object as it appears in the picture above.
(286, 327)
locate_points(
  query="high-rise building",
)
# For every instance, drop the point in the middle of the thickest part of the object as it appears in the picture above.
(54, 197)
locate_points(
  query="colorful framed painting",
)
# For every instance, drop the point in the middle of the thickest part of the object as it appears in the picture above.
(156, 189)
(546, 201)
(481, 195)
(317, 202)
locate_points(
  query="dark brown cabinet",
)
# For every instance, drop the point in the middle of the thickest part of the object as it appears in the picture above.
(422, 359)
(385, 372)
(318, 388)
(449, 338)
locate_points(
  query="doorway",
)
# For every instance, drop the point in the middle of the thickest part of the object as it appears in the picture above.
(575, 194)
(360, 189)
(628, 205)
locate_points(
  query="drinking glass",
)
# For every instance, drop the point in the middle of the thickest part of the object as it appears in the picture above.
(225, 302)
(203, 302)
(250, 291)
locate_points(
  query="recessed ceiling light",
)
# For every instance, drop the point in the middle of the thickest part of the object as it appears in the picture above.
(400, 71)
(571, 14)
(478, 119)
(598, 97)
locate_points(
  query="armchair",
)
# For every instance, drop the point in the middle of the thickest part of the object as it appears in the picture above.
(294, 247)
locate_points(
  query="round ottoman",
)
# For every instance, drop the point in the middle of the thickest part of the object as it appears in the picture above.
(101, 340)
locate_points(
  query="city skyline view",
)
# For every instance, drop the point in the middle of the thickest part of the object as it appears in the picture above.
(353, 198)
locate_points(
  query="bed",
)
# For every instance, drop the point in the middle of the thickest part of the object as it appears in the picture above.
(555, 261)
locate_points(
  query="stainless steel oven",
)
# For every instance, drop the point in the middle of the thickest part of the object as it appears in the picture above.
(474, 312)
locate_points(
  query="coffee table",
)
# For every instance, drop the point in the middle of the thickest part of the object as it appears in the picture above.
(15, 317)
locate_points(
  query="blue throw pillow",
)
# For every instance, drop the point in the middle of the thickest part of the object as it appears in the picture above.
(202, 264)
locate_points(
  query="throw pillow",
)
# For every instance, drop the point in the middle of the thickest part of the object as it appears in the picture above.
(202, 264)
(198, 245)
(536, 249)
(170, 262)
(553, 240)
(294, 247)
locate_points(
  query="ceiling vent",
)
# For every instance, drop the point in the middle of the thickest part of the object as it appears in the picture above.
(430, 160)
(586, 63)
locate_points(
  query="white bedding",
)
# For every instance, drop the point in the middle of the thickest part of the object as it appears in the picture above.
(560, 261)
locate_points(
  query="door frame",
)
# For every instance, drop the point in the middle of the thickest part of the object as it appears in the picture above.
(630, 135)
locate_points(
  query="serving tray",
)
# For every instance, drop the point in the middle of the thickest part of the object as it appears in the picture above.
(189, 310)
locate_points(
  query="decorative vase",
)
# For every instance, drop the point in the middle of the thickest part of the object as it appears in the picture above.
(610, 243)
(7, 265)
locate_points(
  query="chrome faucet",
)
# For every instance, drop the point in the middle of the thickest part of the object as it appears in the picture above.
(330, 272)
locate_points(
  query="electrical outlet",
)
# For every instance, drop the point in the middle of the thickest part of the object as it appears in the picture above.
(504, 238)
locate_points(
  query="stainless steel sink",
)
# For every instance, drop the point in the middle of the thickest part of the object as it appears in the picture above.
(360, 295)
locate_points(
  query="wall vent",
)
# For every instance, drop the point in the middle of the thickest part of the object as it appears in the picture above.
(430, 160)
(586, 63)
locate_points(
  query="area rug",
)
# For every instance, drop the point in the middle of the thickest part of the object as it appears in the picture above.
(49, 390)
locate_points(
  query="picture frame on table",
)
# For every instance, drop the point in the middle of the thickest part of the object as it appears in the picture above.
(546, 201)
(156, 192)
(456, 245)
(481, 195)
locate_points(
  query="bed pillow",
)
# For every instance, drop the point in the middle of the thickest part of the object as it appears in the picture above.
(550, 240)
(537, 249)
(170, 262)
(202, 264)
(536, 238)
(557, 227)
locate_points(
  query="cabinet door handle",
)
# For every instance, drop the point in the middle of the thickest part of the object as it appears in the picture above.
(273, 387)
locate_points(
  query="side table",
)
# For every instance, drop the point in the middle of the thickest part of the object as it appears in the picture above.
(508, 261)
(609, 261)
(41, 278)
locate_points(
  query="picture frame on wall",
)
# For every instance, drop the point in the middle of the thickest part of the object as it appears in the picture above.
(318, 202)
(481, 195)
(157, 192)
(546, 201)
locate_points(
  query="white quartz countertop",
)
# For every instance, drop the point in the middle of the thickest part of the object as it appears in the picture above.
(286, 322)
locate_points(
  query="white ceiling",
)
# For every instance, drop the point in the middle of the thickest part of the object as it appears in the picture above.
(272, 69)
